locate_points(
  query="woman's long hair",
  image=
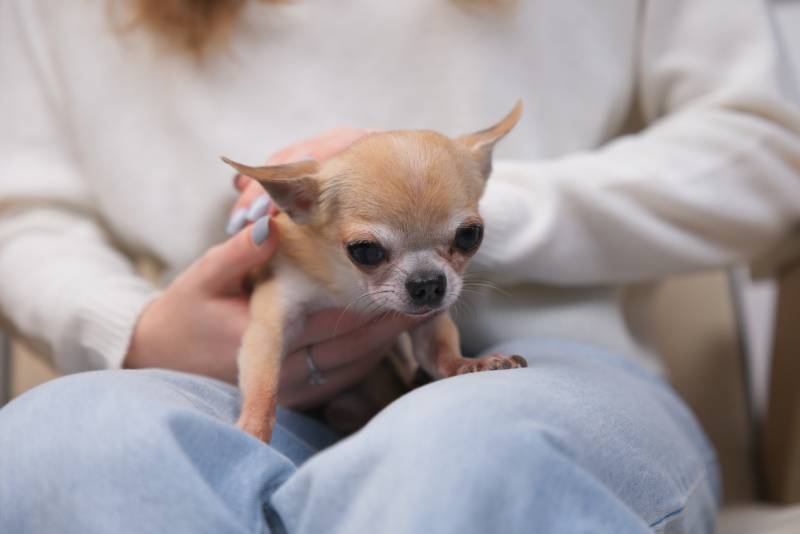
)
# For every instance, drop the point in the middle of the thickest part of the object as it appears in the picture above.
(190, 25)
(194, 25)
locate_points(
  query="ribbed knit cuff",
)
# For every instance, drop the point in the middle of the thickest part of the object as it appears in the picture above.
(517, 208)
(501, 217)
(105, 322)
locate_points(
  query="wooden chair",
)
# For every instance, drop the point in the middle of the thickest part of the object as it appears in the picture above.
(697, 324)
(781, 437)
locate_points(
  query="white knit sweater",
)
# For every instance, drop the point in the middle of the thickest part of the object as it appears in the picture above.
(657, 139)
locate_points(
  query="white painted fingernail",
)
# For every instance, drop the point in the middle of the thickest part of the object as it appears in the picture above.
(237, 221)
(261, 230)
(259, 208)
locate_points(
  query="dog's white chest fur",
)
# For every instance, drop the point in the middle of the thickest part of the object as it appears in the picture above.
(299, 294)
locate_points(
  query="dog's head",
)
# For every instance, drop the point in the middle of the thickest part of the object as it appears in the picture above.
(401, 207)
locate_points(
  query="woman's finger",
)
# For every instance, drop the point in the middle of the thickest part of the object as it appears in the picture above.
(303, 394)
(326, 324)
(333, 143)
(223, 266)
(321, 147)
(331, 323)
(251, 205)
(241, 181)
(350, 348)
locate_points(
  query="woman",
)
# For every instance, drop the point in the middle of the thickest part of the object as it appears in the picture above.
(658, 138)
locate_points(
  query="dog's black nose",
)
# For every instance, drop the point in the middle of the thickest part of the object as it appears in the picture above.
(427, 289)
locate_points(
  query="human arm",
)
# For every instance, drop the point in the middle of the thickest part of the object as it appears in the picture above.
(62, 281)
(713, 177)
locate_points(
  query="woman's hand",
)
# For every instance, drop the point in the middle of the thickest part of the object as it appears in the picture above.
(253, 202)
(196, 324)
(345, 347)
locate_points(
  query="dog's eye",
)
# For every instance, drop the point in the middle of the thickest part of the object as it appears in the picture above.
(366, 253)
(468, 237)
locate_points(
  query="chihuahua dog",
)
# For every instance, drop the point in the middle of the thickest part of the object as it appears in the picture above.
(387, 225)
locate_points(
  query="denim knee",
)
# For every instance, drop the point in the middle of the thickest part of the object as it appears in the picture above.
(572, 429)
(82, 439)
(74, 415)
(75, 424)
(464, 418)
(132, 451)
(573, 443)
(65, 403)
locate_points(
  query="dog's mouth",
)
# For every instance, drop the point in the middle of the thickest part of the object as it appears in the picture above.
(422, 312)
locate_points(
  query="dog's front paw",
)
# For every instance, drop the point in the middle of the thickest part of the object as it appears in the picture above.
(491, 362)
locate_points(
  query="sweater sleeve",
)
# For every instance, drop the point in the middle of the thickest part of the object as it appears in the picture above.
(61, 281)
(714, 177)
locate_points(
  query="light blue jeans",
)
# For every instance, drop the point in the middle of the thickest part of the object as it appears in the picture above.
(580, 441)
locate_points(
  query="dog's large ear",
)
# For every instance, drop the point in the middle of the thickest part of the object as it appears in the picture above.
(294, 187)
(481, 143)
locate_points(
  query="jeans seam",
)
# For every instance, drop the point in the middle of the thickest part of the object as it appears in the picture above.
(667, 518)
(208, 410)
(201, 406)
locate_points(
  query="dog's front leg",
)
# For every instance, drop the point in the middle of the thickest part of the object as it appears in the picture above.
(260, 356)
(437, 350)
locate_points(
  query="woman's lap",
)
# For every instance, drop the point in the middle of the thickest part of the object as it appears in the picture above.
(140, 451)
(579, 441)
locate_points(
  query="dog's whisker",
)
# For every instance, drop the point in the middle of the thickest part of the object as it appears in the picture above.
(355, 301)
(485, 284)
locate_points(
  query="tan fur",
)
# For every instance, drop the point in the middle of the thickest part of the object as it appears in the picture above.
(436, 347)
(259, 368)
(410, 191)
(304, 246)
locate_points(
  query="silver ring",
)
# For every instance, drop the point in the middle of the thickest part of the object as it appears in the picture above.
(315, 376)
